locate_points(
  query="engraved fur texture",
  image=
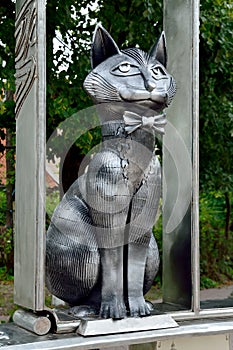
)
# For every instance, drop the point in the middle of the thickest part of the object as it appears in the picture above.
(101, 254)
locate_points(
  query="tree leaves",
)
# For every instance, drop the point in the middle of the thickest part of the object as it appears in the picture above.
(216, 90)
(76, 21)
(134, 24)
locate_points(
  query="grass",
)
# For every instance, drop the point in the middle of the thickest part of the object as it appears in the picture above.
(7, 306)
(154, 293)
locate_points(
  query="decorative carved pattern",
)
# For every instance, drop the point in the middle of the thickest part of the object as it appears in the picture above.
(26, 63)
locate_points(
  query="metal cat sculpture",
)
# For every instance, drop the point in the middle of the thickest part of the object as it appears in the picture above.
(101, 255)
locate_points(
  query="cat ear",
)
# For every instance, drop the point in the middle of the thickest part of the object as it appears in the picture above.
(103, 46)
(159, 50)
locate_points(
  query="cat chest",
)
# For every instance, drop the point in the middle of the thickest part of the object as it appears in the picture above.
(135, 151)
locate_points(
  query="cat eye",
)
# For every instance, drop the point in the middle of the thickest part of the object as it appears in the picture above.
(125, 68)
(158, 72)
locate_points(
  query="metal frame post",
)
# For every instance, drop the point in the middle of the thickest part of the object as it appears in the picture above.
(30, 153)
(180, 167)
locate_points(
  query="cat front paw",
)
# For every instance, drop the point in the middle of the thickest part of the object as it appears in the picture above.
(114, 308)
(138, 307)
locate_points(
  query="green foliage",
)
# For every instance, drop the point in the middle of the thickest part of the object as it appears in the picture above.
(134, 21)
(7, 63)
(2, 207)
(6, 248)
(52, 200)
(7, 57)
(133, 25)
(216, 90)
(216, 133)
(207, 282)
(216, 260)
(5, 275)
(90, 139)
(158, 234)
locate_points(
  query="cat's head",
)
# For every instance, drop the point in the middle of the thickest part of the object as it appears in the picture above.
(129, 75)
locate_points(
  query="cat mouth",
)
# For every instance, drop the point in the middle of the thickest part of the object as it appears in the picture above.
(157, 106)
(146, 98)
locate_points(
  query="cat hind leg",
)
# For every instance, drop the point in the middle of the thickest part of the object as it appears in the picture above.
(72, 255)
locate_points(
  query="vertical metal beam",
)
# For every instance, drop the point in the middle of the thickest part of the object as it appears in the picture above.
(180, 156)
(195, 212)
(30, 153)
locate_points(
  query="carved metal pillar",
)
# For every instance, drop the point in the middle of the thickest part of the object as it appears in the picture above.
(180, 162)
(30, 153)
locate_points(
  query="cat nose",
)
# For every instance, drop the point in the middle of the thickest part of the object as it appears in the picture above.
(150, 85)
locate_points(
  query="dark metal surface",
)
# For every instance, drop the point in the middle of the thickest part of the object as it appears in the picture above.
(100, 249)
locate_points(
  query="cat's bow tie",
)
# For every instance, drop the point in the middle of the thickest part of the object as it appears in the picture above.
(133, 121)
